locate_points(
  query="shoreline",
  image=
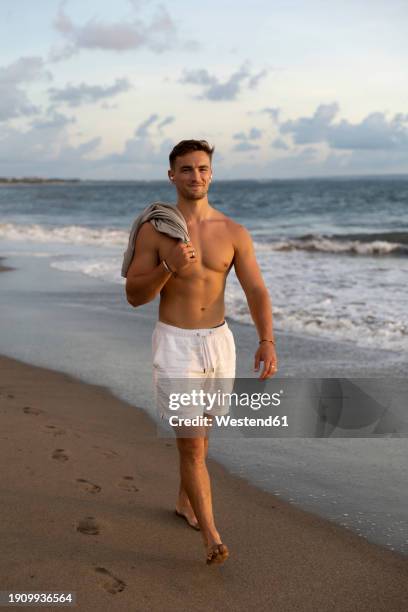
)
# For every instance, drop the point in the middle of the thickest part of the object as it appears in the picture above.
(75, 451)
(394, 363)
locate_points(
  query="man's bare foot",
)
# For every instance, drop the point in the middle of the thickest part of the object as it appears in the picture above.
(188, 514)
(217, 553)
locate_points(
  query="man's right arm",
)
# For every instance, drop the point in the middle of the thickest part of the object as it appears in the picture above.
(146, 274)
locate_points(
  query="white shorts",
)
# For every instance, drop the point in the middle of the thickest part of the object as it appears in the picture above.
(206, 355)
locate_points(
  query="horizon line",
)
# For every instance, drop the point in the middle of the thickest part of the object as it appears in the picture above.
(34, 178)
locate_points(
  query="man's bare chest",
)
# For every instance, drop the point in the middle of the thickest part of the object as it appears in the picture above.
(213, 247)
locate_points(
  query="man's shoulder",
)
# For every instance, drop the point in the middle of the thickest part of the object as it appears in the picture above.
(239, 235)
(147, 229)
(150, 236)
(147, 233)
(237, 231)
(231, 225)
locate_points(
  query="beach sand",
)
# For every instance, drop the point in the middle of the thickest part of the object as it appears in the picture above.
(87, 505)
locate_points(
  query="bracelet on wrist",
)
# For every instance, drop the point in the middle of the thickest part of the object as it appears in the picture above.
(265, 340)
(166, 265)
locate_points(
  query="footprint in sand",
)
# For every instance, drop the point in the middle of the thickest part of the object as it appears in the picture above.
(56, 431)
(110, 583)
(107, 452)
(60, 455)
(126, 485)
(88, 526)
(30, 410)
(88, 486)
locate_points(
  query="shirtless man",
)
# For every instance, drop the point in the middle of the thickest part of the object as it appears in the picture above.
(191, 281)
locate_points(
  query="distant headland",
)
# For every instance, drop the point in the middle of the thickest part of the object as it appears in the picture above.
(34, 179)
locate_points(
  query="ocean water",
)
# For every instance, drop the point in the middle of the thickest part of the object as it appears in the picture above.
(334, 253)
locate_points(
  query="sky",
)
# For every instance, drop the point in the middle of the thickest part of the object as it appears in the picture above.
(283, 89)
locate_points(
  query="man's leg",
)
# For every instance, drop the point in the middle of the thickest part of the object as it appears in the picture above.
(196, 482)
(183, 504)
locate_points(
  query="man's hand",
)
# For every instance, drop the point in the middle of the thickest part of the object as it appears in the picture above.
(181, 256)
(266, 353)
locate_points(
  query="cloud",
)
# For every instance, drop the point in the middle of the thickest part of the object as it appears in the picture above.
(83, 93)
(272, 112)
(244, 145)
(45, 145)
(166, 121)
(140, 149)
(70, 154)
(158, 34)
(278, 143)
(14, 101)
(311, 129)
(23, 70)
(373, 132)
(143, 129)
(253, 134)
(54, 121)
(245, 139)
(256, 78)
(45, 149)
(216, 90)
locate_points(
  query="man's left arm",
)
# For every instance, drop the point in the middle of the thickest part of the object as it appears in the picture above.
(259, 302)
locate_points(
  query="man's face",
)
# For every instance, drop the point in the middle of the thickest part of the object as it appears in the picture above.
(192, 175)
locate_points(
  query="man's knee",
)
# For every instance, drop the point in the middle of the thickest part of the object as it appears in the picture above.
(191, 450)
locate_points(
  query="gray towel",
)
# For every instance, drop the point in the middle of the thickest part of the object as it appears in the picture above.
(165, 218)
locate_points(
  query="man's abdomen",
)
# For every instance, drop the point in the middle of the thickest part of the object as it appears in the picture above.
(193, 303)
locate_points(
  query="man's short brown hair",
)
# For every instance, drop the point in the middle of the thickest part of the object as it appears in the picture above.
(187, 146)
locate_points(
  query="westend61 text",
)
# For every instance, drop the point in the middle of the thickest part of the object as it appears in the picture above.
(226, 420)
